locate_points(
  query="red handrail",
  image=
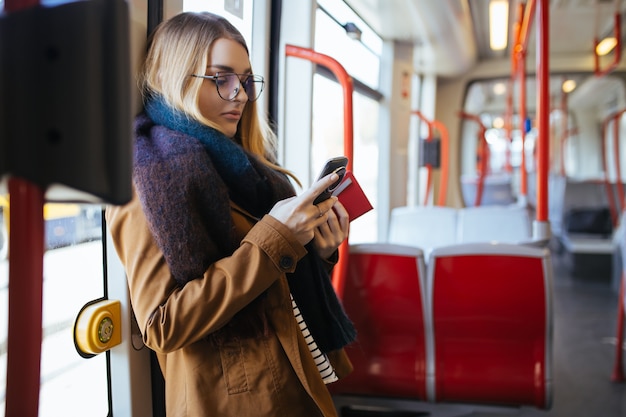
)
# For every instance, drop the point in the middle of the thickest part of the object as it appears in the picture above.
(340, 270)
(617, 55)
(26, 250)
(541, 231)
(618, 367)
(443, 180)
(508, 125)
(618, 169)
(529, 16)
(564, 131)
(543, 109)
(484, 152)
(614, 207)
(518, 69)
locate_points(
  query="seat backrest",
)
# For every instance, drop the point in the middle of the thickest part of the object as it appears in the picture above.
(507, 224)
(426, 227)
(566, 194)
(497, 189)
(489, 325)
(384, 297)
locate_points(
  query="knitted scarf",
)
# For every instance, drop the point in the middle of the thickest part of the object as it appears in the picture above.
(186, 174)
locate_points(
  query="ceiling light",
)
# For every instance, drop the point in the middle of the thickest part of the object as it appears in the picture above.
(499, 89)
(606, 46)
(498, 24)
(568, 86)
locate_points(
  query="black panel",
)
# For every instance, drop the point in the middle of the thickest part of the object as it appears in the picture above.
(65, 97)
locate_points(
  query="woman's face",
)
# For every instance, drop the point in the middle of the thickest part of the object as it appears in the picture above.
(226, 56)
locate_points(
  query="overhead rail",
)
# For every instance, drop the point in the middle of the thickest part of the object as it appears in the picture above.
(444, 156)
(483, 155)
(340, 270)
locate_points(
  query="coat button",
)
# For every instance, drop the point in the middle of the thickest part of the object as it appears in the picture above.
(286, 262)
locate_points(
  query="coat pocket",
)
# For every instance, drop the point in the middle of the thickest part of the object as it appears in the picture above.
(233, 366)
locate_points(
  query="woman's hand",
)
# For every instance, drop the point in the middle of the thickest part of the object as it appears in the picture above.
(304, 218)
(330, 234)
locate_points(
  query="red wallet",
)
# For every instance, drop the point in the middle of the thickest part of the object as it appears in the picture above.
(351, 195)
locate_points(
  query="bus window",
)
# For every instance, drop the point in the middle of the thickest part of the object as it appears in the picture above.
(72, 275)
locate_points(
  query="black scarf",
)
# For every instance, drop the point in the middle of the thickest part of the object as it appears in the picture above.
(186, 174)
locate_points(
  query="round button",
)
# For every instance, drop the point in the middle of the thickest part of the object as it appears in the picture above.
(105, 330)
(286, 262)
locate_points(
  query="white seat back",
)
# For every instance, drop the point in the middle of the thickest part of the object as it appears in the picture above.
(426, 227)
(507, 224)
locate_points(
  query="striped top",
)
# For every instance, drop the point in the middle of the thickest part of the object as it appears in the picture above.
(321, 360)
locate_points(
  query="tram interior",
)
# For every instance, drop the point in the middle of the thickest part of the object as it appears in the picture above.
(577, 272)
(587, 232)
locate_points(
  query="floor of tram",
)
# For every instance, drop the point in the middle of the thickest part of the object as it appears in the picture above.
(585, 323)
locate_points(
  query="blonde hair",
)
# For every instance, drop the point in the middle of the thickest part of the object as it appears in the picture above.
(179, 47)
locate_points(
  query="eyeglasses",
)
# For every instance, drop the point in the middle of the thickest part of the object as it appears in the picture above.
(229, 84)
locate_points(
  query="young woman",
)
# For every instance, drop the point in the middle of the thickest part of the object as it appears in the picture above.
(228, 270)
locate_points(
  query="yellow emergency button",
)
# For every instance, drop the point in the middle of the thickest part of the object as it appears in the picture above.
(98, 327)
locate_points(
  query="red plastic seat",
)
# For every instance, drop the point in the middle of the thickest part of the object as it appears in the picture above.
(383, 296)
(490, 325)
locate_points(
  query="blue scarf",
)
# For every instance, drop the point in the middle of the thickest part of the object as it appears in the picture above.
(186, 174)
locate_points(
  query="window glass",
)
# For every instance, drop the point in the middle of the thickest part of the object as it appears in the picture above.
(72, 275)
(340, 11)
(239, 13)
(356, 57)
(366, 121)
(328, 141)
(361, 59)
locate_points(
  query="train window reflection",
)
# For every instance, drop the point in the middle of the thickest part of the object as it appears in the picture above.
(72, 276)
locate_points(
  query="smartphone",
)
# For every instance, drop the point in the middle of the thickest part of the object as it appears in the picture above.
(337, 165)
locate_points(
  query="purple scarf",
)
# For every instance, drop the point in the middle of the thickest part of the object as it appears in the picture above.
(186, 174)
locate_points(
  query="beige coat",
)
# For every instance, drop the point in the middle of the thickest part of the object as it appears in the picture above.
(243, 376)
